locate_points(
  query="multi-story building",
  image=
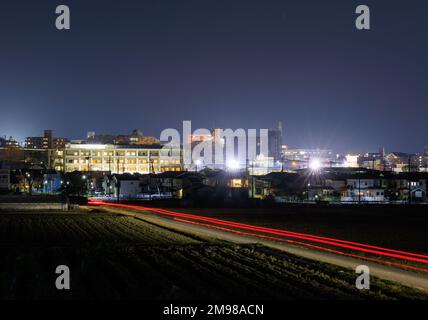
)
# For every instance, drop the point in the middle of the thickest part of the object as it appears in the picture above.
(262, 165)
(121, 158)
(12, 143)
(34, 142)
(46, 142)
(59, 143)
(422, 160)
(135, 138)
(301, 158)
(275, 143)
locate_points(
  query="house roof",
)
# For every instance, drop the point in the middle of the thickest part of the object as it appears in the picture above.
(400, 154)
(413, 175)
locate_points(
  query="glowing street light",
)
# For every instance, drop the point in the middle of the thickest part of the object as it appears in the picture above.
(198, 164)
(315, 165)
(232, 164)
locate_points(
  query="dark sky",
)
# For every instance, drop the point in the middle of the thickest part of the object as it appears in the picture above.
(224, 63)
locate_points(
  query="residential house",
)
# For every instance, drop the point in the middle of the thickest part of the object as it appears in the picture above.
(413, 183)
(126, 186)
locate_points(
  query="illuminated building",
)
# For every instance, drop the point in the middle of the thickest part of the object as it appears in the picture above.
(302, 158)
(351, 161)
(46, 142)
(135, 138)
(121, 158)
(261, 165)
(12, 143)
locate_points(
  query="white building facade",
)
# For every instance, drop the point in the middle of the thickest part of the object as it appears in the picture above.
(121, 159)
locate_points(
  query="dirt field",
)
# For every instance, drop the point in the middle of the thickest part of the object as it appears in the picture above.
(398, 227)
(120, 257)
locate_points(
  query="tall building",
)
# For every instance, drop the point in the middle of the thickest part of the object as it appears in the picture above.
(48, 141)
(34, 142)
(275, 142)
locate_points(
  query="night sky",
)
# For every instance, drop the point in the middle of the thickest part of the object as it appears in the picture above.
(220, 63)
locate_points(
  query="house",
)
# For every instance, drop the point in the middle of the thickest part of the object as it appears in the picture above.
(234, 184)
(280, 186)
(126, 186)
(364, 186)
(321, 193)
(329, 184)
(166, 184)
(413, 183)
(368, 194)
(399, 161)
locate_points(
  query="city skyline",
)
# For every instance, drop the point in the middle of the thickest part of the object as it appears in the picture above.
(82, 137)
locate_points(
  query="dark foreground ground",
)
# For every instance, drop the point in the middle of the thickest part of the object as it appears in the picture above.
(397, 227)
(120, 257)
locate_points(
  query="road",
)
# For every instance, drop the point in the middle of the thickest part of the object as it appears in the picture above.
(393, 271)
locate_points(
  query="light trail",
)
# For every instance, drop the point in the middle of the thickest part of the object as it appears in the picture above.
(304, 244)
(365, 248)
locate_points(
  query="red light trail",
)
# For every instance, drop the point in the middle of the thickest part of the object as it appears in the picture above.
(304, 244)
(338, 243)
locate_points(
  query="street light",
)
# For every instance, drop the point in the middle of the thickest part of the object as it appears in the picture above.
(315, 165)
(198, 163)
(232, 164)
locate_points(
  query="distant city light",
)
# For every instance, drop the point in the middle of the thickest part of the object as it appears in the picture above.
(314, 165)
(232, 164)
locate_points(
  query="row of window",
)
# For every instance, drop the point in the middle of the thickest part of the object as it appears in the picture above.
(128, 169)
(119, 153)
(122, 161)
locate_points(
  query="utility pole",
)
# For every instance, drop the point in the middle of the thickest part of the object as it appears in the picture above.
(408, 182)
(118, 189)
(253, 187)
(150, 176)
(359, 189)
